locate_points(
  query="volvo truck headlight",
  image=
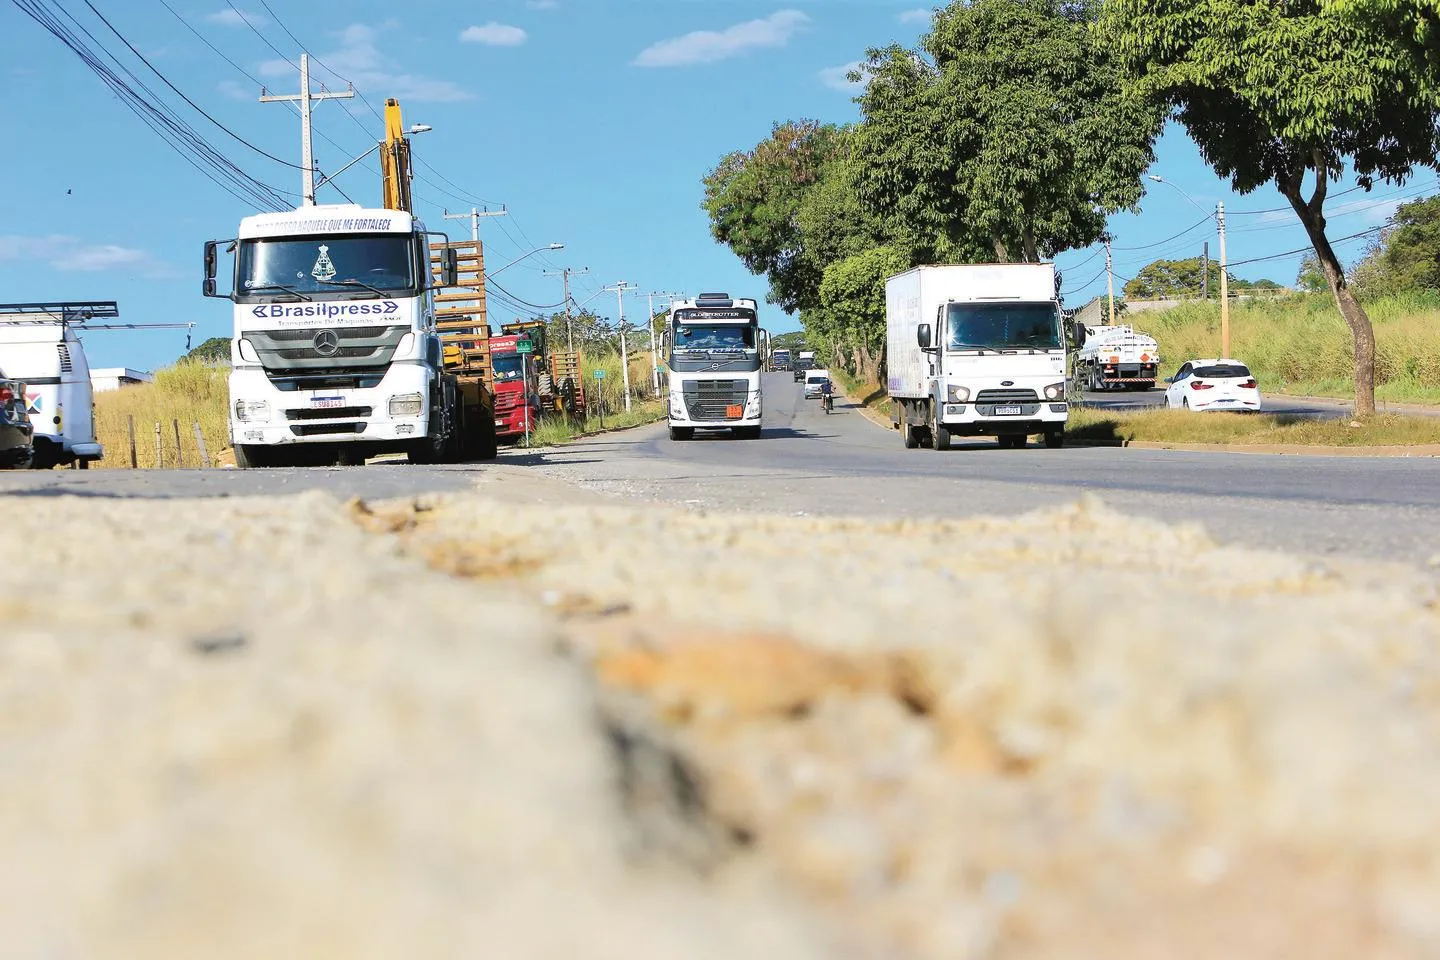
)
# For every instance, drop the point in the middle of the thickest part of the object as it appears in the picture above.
(247, 352)
(957, 394)
(1056, 391)
(407, 404)
(252, 410)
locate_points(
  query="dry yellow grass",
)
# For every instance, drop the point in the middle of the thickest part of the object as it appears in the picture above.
(190, 393)
(1178, 426)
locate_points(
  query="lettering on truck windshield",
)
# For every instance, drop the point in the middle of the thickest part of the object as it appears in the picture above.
(326, 267)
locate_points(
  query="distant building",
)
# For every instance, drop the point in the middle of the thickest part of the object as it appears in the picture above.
(113, 378)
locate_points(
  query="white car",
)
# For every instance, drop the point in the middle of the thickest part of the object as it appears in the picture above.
(813, 381)
(1213, 385)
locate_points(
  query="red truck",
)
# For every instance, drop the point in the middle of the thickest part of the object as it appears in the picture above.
(517, 395)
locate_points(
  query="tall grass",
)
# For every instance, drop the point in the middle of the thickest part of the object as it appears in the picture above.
(611, 389)
(1300, 344)
(1177, 426)
(188, 392)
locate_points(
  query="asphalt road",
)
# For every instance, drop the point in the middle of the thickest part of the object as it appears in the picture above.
(844, 464)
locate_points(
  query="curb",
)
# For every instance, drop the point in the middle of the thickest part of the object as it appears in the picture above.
(1275, 449)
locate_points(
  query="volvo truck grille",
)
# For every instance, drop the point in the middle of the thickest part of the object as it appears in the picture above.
(714, 399)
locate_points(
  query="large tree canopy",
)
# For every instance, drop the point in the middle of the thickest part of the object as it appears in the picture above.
(1008, 135)
(1275, 92)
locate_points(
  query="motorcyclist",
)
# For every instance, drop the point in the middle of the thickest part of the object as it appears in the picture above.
(826, 392)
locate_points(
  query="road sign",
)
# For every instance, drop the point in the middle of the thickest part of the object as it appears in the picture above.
(524, 346)
(599, 374)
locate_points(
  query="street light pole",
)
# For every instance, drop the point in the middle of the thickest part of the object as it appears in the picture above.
(1219, 215)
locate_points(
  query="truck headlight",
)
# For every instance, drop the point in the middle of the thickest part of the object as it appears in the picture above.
(957, 394)
(252, 410)
(406, 347)
(407, 405)
(1056, 391)
(247, 351)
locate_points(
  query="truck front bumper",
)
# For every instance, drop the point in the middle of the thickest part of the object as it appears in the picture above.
(385, 416)
(990, 419)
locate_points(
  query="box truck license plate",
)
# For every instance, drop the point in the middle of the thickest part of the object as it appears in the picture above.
(326, 403)
(1011, 411)
(735, 411)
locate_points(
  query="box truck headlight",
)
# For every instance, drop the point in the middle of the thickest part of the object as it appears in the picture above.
(1056, 391)
(956, 394)
(247, 352)
(252, 410)
(407, 404)
(406, 347)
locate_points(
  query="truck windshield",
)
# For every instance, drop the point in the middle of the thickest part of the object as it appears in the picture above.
(327, 265)
(696, 337)
(507, 367)
(1002, 326)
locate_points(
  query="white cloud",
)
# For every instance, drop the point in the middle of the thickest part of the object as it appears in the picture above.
(838, 78)
(710, 46)
(233, 90)
(71, 255)
(921, 15)
(232, 17)
(542, 4)
(358, 58)
(494, 35)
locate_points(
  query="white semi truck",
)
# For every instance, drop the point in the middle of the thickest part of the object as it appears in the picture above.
(714, 354)
(976, 350)
(1115, 357)
(335, 355)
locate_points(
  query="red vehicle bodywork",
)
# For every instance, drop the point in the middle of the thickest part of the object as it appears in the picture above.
(515, 388)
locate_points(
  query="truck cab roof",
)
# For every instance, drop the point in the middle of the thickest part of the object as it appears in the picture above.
(336, 218)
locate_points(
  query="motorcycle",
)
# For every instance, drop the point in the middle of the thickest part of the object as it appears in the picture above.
(827, 402)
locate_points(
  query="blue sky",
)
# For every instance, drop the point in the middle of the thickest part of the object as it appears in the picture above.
(592, 121)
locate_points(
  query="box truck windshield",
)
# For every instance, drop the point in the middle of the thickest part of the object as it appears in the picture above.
(327, 264)
(1002, 326)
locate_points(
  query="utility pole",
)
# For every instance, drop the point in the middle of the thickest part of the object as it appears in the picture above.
(620, 290)
(654, 356)
(1224, 285)
(1205, 272)
(474, 217)
(564, 275)
(1110, 281)
(307, 175)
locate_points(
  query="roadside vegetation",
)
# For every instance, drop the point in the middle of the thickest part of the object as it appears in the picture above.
(1178, 426)
(190, 393)
(1015, 127)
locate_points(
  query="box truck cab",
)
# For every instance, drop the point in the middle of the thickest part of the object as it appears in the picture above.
(976, 350)
(43, 351)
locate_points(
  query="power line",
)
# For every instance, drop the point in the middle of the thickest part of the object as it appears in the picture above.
(1177, 236)
(256, 30)
(1311, 249)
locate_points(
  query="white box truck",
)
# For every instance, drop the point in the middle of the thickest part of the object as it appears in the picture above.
(40, 346)
(976, 350)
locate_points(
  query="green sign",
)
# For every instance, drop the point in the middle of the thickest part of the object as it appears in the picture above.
(599, 374)
(524, 346)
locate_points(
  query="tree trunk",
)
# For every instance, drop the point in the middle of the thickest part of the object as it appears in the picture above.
(1002, 255)
(1027, 239)
(1361, 331)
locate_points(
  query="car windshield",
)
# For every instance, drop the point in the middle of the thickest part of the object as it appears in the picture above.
(698, 337)
(327, 265)
(1002, 326)
(507, 367)
(1224, 371)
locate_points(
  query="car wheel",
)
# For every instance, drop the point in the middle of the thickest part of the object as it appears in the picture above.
(1185, 404)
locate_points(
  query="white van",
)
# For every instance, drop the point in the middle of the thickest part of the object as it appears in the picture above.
(46, 355)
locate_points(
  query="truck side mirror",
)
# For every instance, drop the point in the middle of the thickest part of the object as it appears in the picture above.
(1079, 334)
(922, 336)
(450, 268)
(210, 262)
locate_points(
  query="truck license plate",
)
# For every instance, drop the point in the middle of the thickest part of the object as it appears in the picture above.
(326, 403)
(735, 411)
(1011, 411)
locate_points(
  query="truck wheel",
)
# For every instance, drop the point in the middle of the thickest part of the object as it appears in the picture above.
(912, 441)
(487, 446)
(1055, 439)
(682, 433)
(939, 435)
(250, 457)
(426, 450)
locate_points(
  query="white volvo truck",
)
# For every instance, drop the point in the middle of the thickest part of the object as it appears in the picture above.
(714, 353)
(335, 352)
(976, 350)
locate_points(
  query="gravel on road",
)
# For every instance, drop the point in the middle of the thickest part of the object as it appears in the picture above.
(469, 724)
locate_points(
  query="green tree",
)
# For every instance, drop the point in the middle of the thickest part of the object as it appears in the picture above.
(1273, 93)
(587, 326)
(851, 316)
(753, 199)
(1174, 280)
(1007, 136)
(1411, 254)
(213, 350)
(1311, 276)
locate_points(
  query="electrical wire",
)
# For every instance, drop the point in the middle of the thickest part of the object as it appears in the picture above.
(1177, 236)
(256, 30)
(1310, 249)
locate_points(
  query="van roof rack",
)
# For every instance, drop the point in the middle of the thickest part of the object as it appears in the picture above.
(68, 311)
